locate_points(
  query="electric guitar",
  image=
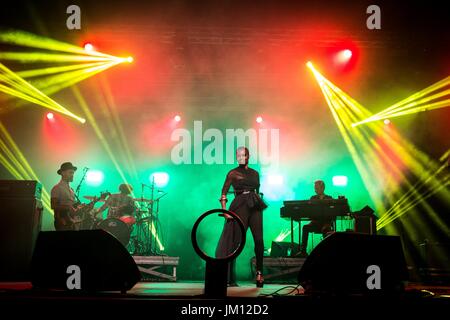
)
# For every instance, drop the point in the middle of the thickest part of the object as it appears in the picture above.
(80, 216)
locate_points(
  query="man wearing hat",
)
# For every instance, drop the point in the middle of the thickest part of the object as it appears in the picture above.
(63, 197)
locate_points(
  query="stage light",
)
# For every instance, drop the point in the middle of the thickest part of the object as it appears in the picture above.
(94, 178)
(340, 181)
(177, 118)
(343, 56)
(387, 121)
(161, 179)
(309, 65)
(88, 47)
(378, 152)
(347, 54)
(50, 116)
(259, 119)
(275, 179)
(130, 59)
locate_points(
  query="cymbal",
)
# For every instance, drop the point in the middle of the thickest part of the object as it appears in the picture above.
(142, 200)
(91, 198)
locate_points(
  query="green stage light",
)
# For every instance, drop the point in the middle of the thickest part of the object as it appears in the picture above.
(161, 179)
(275, 179)
(340, 181)
(95, 178)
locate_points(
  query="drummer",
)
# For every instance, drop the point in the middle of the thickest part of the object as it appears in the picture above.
(119, 204)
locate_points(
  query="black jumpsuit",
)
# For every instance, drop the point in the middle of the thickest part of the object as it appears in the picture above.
(248, 206)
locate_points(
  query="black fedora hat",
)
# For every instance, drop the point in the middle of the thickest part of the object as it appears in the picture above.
(66, 166)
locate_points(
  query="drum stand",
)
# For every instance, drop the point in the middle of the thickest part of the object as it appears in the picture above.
(147, 226)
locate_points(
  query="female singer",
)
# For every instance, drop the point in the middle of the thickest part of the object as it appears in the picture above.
(248, 205)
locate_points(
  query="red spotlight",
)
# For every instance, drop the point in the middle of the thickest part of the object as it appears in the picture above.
(177, 118)
(347, 53)
(259, 119)
(88, 47)
(343, 56)
(50, 116)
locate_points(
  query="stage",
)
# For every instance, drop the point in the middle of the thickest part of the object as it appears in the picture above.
(182, 300)
(140, 141)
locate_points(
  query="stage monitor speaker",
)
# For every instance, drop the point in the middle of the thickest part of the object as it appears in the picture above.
(347, 262)
(283, 249)
(20, 223)
(102, 262)
(365, 221)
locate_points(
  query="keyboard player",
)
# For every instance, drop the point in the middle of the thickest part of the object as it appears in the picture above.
(316, 225)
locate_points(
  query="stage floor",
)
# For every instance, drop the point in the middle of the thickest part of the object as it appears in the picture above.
(178, 300)
(174, 290)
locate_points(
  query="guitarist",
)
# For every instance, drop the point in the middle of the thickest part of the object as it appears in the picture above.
(63, 197)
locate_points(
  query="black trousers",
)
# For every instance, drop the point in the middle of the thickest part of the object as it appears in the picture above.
(231, 234)
(316, 227)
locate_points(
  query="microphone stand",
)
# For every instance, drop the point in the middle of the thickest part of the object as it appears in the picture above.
(77, 190)
(151, 216)
(153, 227)
(152, 188)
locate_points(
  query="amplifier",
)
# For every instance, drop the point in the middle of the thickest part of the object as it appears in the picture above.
(21, 217)
(20, 189)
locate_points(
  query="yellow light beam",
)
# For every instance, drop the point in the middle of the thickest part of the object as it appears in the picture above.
(422, 93)
(62, 84)
(110, 103)
(68, 77)
(97, 130)
(408, 101)
(34, 57)
(26, 39)
(417, 103)
(38, 94)
(427, 107)
(52, 70)
(341, 103)
(413, 204)
(18, 166)
(65, 80)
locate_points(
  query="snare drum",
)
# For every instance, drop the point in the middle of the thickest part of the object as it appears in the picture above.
(129, 220)
(117, 228)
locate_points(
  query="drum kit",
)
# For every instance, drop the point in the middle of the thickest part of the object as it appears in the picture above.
(135, 230)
